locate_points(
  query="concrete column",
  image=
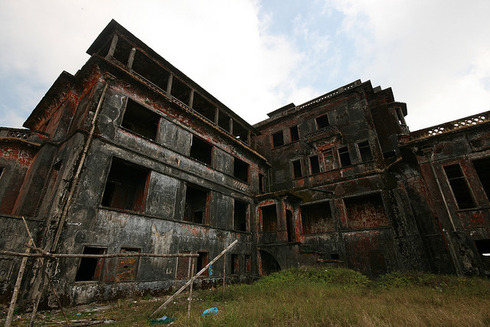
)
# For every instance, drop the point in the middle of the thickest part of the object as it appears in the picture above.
(191, 98)
(112, 48)
(169, 84)
(131, 58)
(216, 116)
(231, 126)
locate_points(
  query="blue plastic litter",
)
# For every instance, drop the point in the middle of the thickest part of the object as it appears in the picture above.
(210, 270)
(162, 320)
(210, 311)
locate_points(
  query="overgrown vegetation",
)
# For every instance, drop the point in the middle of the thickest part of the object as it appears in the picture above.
(321, 297)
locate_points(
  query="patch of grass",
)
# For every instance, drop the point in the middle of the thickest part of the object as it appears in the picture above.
(320, 297)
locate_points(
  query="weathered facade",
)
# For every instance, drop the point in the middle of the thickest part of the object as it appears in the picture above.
(130, 155)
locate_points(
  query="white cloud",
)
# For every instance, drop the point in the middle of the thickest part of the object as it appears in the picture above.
(433, 53)
(219, 44)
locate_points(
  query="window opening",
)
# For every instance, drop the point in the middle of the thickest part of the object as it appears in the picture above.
(240, 170)
(240, 215)
(366, 211)
(269, 218)
(483, 247)
(150, 70)
(201, 150)
(125, 187)
(196, 202)
(140, 120)
(334, 256)
(344, 157)
(235, 264)
(482, 167)
(224, 121)
(240, 132)
(127, 266)
(90, 269)
(290, 225)
(458, 184)
(322, 121)
(365, 151)
(294, 133)
(180, 91)
(297, 169)
(314, 165)
(204, 107)
(202, 261)
(317, 218)
(278, 139)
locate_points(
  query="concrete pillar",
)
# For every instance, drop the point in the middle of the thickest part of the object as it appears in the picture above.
(169, 84)
(112, 48)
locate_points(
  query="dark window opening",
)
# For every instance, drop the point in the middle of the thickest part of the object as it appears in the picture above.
(269, 263)
(196, 202)
(180, 91)
(278, 139)
(240, 170)
(240, 216)
(1, 171)
(140, 120)
(202, 261)
(290, 225)
(235, 264)
(240, 132)
(334, 256)
(204, 107)
(322, 122)
(365, 151)
(125, 186)
(314, 165)
(150, 70)
(269, 218)
(458, 185)
(482, 167)
(297, 169)
(90, 268)
(261, 183)
(201, 150)
(344, 157)
(294, 133)
(317, 218)
(366, 211)
(122, 50)
(127, 267)
(224, 121)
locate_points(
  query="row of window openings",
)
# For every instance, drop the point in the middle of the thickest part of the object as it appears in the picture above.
(126, 189)
(145, 123)
(90, 269)
(459, 186)
(278, 137)
(317, 217)
(139, 63)
(328, 160)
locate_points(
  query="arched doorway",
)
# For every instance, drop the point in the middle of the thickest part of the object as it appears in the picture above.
(269, 263)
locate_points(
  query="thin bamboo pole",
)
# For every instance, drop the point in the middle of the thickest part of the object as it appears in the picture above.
(75, 255)
(224, 278)
(195, 276)
(15, 294)
(190, 293)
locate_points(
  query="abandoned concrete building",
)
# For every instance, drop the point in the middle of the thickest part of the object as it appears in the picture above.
(131, 155)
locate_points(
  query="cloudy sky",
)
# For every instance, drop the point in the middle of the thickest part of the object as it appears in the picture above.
(256, 56)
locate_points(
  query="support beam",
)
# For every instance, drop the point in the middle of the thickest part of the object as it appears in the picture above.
(169, 84)
(112, 48)
(131, 58)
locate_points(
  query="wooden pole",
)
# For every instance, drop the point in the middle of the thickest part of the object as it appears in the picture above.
(15, 294)
(224, 278)
(190, 293)
(77, 255)
(195, 276)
